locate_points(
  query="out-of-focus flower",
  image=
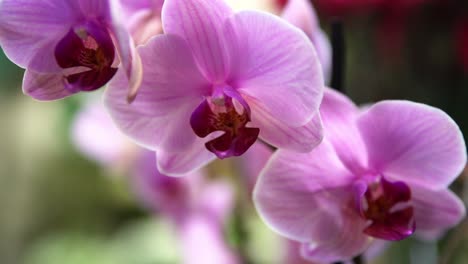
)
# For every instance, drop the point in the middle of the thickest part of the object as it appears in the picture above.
(377, 174)
(197, 207)
(143, 18)
(66, 46)
(95, 135)
(240, 75)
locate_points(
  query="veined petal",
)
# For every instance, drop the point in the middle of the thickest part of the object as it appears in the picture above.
(346, 244)
(171, 89)
(182, 163)
(436, 211)
(339, 116)
(274, 62)
(413, 142)
(45, 86)
(298, 193)
(95, 9)
(29, 31)
(277, 133)
(200, 23)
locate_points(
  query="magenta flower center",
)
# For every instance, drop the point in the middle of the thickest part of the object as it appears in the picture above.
(87, 52)
(228, 112)
(386, 207)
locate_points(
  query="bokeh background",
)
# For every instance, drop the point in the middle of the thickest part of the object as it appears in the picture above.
(58, 206)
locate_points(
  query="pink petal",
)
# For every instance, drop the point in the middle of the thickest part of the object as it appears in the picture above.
(29, 31)
(436, 211)
(297, 194)
(200, 23)
(414, 143)
(202, 241)
(324, 51)
(95, 135)
(275, 63)
(279, 134)
(188, 161)
(217, 200)
(348, 242)
(45, 86)
(171, 89)
(301, 14)
(252, 162)
(129, 57)
(339, 116)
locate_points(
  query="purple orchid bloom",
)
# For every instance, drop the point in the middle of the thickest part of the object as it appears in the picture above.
(66, 46)
(216, 81)
(143, 18)
(380, 173)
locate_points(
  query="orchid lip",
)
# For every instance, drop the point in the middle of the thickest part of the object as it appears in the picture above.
(386, 206)
(225, 111)
(88, 46)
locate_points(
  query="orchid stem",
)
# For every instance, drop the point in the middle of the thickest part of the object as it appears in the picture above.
(339, 55)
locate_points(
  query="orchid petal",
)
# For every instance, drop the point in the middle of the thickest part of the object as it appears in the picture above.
(301, 14)
(129, 57)
(203, 242)
(200, 23)
(95, 135)
(217, 200)
(346, 244)
(252, 162)
(29, 31)
(274, 62)
(45, 86)
(436, 211)
(324, 51)
(182, 163)
(171, 89)
(414, 143)
(279, 134)
(297, 193)
(339, 115)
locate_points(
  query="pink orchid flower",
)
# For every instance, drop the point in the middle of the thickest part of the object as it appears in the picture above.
(218, 80)
(380, 173)
(66, 46)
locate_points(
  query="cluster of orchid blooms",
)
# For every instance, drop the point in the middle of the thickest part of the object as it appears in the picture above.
(192, 81)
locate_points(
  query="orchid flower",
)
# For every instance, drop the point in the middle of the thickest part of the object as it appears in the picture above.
(379, 174)
(66, 46)
(218, 80)
(197, 208)
(143, 18)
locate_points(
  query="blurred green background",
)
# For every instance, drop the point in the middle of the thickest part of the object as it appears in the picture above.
(58, 206)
